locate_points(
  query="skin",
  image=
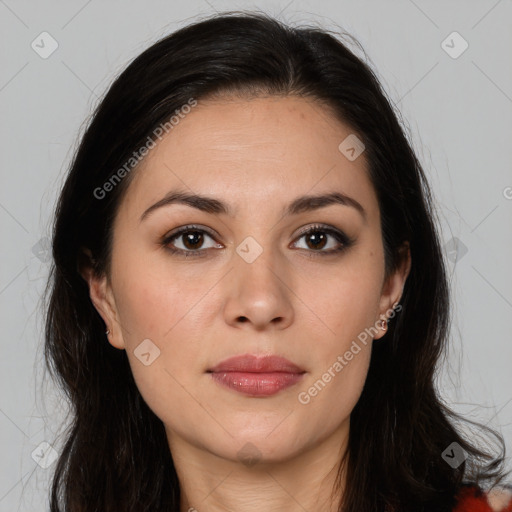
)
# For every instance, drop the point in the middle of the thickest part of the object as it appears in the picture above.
(257, 156)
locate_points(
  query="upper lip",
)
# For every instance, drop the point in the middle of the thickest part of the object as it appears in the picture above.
(256, 364)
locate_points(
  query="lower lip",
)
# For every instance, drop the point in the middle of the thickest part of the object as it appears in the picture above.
(257, 384)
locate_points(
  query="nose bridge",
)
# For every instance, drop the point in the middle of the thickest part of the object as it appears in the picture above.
(259, 269)
(257, 290)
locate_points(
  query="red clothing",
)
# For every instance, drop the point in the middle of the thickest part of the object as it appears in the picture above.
(471, 499)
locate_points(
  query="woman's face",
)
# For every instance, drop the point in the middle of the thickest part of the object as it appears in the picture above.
(256, 284)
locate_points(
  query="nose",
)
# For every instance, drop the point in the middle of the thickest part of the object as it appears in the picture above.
(259, 295)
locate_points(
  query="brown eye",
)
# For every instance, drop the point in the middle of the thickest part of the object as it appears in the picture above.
(190, 240)
(316, 240)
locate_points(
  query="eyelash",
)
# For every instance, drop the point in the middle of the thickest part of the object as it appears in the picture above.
(339, 236)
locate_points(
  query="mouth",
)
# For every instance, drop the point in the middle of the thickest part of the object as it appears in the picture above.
(257, 376)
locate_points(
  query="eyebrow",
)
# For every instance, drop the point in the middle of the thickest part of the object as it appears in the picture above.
(211, 205)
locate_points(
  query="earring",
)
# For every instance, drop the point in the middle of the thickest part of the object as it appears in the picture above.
(383, 324)
(107, 332)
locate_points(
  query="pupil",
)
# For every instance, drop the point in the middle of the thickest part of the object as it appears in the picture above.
(318, 240)
(194, 238)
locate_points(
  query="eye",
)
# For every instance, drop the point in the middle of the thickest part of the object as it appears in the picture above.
(318, 238)
(189, 240)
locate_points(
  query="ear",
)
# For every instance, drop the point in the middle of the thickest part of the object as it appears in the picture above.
(102, 297)
(393, 286)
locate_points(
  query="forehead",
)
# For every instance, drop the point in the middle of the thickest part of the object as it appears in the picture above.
(253, 150)
(284, 128)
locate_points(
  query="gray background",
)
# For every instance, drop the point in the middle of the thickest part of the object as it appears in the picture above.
(458, 112)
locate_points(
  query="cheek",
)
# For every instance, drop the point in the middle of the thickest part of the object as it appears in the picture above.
(348, 309)
(166, 305)
(341, 356)
(345, 299)
(170, 314)
(153, 297)
(147, 307)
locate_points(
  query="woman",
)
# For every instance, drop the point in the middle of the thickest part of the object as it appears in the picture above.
(249, 300)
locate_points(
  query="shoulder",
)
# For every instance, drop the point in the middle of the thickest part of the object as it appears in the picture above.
(473, 499)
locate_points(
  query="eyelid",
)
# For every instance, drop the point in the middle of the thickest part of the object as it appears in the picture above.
(313, 227)
(189, 227)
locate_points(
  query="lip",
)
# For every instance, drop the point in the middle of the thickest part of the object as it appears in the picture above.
(256, 364)
(257, 376)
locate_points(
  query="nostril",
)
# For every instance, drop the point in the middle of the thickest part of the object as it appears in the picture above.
(242, 319)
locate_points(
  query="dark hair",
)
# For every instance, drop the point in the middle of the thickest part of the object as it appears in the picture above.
(116, 455)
